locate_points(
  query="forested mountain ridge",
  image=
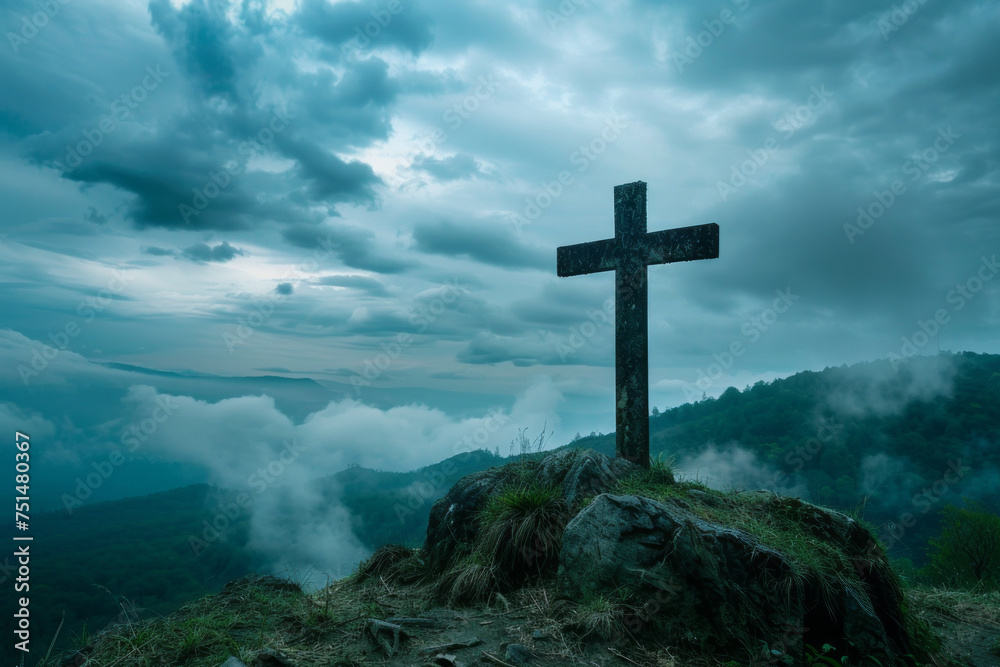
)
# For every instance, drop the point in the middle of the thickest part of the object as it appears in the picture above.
(928, 409)
(928, 415)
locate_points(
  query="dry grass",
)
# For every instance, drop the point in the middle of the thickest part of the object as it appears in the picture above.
(965, 606)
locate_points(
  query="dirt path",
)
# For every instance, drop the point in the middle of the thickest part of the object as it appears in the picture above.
(968, 624)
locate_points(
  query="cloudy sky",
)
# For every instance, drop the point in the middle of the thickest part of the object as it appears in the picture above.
(371, 195)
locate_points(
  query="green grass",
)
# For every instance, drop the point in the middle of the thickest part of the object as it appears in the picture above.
(600, 617)
(520, 532)
(238, 621)
(519, 501)
(518, 537)
(657, 482)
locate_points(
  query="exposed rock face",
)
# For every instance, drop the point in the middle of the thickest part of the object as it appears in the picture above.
(453, 517)
(711, 583)
(579, 473)
(582, 473)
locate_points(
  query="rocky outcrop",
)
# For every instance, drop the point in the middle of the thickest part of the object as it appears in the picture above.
(678, 560)
(715, 583)
(453, 518)
(452, 521)
(581, 473)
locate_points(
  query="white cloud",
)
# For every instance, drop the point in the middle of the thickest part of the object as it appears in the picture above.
(735, 467)
(248, 445)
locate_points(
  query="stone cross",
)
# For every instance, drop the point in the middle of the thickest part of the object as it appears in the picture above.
(628, 254)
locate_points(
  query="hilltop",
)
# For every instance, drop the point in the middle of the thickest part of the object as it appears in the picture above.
(522, 564)
(830, 433)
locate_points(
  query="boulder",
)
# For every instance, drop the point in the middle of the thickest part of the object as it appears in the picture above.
(581, 473)
(578, 473)
(713, 583)
(452, 521)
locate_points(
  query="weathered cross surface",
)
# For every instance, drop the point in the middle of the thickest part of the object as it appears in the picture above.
(628, 254)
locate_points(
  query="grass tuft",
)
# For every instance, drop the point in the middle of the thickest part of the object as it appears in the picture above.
(393, 563)
(521, 531)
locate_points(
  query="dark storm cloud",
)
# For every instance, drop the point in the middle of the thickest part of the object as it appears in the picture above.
(352, 108)
(430, 82)
(850, 96)
(329, 178)
(202, 252)
(895, 86)
(159, 252)
(355, 246)
(183, 137)
(562, 304)
(284, 289)
(491, 245)
(363, 25)
(364, 283)
(160, 193)
(204, 41)
(453, 168)
(768, 44)
(95, 217)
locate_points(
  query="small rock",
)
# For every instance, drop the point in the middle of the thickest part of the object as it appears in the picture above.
(233, 661)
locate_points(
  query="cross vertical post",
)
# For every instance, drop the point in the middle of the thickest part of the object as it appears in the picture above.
(631, 330)
(628, 254)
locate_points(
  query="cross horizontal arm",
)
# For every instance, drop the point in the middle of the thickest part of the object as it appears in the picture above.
(683, 244)
(582, 258)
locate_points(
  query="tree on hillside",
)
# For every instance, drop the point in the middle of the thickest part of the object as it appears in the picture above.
(967, 555)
